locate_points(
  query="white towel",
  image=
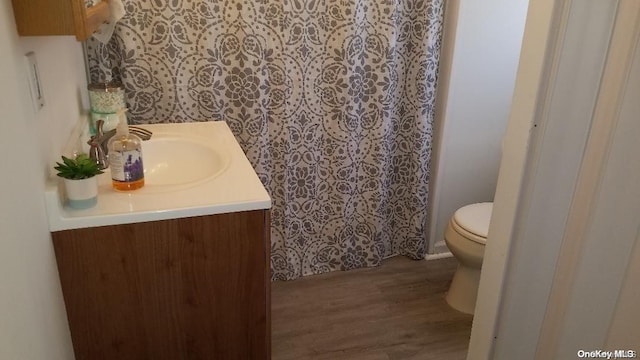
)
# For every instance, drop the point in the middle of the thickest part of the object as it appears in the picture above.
(105, 31)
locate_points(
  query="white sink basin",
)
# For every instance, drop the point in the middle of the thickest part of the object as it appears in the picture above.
(172, 160)
(191, 169)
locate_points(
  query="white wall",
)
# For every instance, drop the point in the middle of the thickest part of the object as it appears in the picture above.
(480, 56)
(33, 322)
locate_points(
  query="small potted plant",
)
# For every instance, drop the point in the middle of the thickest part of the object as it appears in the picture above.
(80, 180)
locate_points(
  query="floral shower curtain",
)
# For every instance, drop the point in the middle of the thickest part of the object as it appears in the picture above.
(331, 100)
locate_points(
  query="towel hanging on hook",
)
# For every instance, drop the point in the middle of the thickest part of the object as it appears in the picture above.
(105, 31)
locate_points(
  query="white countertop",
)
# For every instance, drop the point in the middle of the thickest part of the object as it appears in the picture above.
(236, 188)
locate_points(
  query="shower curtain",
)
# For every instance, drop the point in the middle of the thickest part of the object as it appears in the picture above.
(331, 100)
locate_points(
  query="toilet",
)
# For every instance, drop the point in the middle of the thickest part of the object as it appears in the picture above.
(466, 236)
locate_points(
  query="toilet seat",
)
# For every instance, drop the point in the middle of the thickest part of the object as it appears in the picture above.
(472, 221)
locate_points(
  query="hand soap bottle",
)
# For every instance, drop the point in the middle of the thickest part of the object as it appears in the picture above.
(125, 157)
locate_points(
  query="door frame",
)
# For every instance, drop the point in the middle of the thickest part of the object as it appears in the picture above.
(565, 50)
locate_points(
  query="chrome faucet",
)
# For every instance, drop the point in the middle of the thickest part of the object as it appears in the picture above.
(99, 150)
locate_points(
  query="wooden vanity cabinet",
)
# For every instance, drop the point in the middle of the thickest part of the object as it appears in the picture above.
(59, 17)
(192, 288)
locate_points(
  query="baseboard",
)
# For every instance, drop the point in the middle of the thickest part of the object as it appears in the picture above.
(438, 256)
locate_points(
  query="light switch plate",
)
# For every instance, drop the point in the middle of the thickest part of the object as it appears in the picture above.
(37, 95)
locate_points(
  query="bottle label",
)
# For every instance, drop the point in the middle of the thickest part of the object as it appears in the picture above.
(126, 166)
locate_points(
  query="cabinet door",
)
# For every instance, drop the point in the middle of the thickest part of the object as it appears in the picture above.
(60, 17)
(193, 288)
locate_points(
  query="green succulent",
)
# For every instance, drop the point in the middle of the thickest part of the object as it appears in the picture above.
(82, 167)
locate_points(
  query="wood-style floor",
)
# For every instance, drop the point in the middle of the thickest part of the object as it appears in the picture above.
(394, 311)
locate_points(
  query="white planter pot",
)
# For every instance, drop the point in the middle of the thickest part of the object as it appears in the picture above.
(82, 194)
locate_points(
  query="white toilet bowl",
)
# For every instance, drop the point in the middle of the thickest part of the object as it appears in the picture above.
(466, 236)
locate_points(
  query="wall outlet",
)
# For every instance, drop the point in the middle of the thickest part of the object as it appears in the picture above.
(37, 96)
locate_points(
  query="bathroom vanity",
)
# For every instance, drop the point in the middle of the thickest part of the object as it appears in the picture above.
(178, 269)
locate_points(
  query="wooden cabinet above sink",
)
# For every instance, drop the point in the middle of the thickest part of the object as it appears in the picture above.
(59, 17)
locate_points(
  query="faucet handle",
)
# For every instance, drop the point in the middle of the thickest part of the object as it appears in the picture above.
(96, 151)
(99, 128)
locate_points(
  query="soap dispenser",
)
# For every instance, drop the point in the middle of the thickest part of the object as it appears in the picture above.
(125, 157)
